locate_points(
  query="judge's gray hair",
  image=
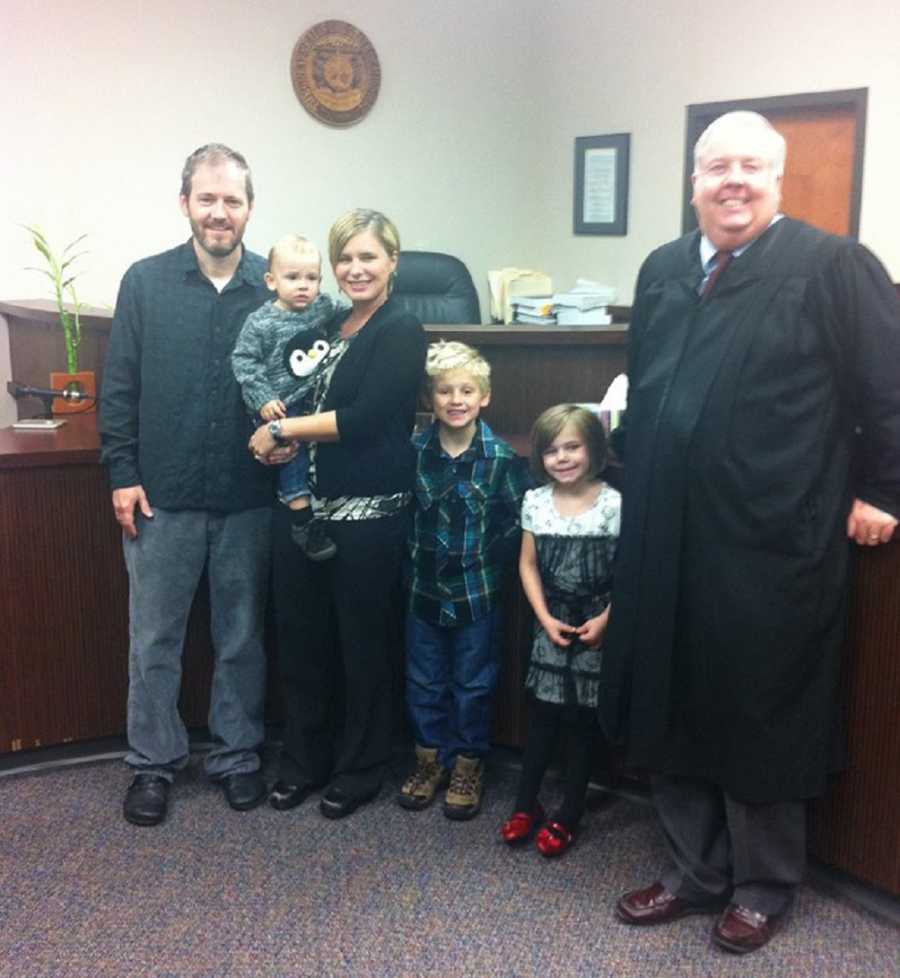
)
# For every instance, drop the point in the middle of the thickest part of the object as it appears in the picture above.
(747, 122)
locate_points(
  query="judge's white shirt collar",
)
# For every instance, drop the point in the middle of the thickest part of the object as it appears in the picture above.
(708, 250)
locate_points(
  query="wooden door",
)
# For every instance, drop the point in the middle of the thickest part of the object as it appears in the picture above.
(818, 175)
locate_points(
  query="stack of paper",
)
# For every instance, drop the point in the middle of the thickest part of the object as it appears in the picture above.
(508, 283)
(567, 316)
(535, 309)
(584, 304)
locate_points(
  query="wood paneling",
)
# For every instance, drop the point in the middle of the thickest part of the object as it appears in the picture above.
(857, 826)
(64, 604)
(66, 608)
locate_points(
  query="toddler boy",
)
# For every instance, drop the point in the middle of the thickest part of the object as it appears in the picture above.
(468, 497)
(275, 360)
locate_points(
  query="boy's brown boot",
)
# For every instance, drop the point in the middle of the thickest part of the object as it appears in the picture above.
(422, 785)
(463, 799)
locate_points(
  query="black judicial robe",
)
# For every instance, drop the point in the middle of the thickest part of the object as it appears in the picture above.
(753, 420)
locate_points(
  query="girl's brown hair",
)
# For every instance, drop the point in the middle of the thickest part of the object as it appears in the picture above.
(552, 422)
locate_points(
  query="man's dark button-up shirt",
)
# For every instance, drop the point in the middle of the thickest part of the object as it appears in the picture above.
(171, 414)
(466, 526)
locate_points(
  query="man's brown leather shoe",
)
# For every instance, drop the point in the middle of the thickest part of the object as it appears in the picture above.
(742, 930)
(655, 905)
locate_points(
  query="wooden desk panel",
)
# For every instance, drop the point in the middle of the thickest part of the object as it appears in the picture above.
(60, 506)
(64, 604)
(856, 827)
(63, 607)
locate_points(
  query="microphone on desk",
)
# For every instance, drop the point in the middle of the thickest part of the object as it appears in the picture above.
(67, 394)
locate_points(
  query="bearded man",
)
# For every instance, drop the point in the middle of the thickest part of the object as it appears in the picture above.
(762, 430)
(185, 490)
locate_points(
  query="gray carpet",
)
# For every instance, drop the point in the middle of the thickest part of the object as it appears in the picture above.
(216, 894)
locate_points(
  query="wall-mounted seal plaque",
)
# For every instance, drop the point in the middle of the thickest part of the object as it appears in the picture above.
(335, 72)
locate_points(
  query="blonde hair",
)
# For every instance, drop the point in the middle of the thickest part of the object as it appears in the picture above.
(551, 423)
(296, 245)
(447, 355)
(748, 122)
(354, 222)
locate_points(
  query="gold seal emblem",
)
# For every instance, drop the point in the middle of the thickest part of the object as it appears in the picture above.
(335, 73)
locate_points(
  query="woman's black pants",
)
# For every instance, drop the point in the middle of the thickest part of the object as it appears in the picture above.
(339, 638)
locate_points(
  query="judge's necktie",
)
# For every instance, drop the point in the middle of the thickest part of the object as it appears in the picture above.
(723, 260)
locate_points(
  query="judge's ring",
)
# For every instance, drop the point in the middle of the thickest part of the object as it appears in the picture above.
(873, 539)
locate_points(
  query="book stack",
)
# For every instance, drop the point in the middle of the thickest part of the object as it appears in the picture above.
(508, 284)
(584, 305)
(534, 309)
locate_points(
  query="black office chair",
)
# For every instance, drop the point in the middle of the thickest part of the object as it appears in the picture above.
(436, 288)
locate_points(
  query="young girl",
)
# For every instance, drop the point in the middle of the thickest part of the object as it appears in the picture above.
(569, 535)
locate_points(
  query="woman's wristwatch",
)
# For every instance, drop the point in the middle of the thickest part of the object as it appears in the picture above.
(275, 432)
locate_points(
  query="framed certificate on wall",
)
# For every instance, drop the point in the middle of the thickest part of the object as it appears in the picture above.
(601, 184)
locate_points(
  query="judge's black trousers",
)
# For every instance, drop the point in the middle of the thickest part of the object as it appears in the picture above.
(722, 848)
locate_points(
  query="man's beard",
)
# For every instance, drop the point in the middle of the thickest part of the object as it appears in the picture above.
(203, 237)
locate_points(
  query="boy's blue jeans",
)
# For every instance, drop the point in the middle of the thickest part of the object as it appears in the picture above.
(451, 675)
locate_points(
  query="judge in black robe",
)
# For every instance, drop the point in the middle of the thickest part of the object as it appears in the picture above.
(758, 418)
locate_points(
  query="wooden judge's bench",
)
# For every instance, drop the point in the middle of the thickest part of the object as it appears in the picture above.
(64, 601)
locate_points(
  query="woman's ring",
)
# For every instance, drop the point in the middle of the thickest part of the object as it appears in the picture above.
(873, 539)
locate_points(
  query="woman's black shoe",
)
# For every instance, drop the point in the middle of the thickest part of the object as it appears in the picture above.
(336, 803)
(284, 796)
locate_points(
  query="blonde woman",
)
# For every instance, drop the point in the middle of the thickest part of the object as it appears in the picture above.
(338, 623)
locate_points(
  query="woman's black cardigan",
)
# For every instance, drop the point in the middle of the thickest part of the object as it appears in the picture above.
(374, 391)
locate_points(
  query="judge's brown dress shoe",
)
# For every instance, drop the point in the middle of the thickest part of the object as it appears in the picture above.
(743, 930)
(655, 905)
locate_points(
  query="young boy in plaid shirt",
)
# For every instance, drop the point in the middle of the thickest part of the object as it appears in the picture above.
(468, 498)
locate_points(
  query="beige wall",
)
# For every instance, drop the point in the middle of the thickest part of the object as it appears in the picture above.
(105, 99)
(620, 66)
(469, 148)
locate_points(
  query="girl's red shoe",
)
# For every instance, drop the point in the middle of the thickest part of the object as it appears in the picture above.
(519, 826)
(554, 839)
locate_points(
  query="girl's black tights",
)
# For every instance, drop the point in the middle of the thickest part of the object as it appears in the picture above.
(584, 741)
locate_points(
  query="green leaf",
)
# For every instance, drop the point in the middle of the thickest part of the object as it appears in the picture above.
(72, 244)
(35, 232)
(41, 271)
(69, 261)
(44, 249)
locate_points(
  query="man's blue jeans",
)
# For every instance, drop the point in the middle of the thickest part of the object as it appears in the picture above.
(164, 564)
(451, 675)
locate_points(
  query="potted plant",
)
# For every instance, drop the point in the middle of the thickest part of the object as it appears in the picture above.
(62, 277)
